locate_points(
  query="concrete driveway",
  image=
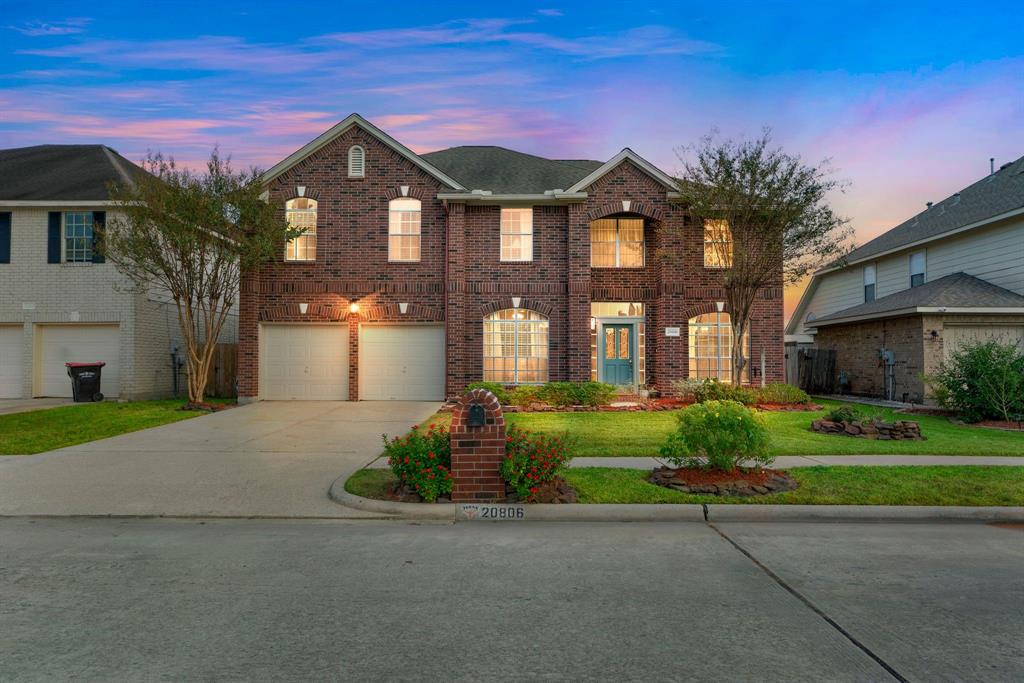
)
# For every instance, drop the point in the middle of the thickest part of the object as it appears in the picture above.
(271, 459)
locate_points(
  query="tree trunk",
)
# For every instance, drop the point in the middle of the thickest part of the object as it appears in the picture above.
(739, 359)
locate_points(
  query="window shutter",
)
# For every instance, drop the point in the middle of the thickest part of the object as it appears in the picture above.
(356, 162)
(53, 239)
(99, 224)
(5, 237)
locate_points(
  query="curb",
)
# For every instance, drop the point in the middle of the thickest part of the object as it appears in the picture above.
(501, 512)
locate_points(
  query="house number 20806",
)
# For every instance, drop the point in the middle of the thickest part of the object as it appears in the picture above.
(502, 513)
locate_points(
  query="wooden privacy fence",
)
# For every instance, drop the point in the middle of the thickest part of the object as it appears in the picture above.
(816, 370)
(223, 373)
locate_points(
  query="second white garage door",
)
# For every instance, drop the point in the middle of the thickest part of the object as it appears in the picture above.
(401, 362)
(10, 361)
(304, 362)
(958, 336)
(59, 344)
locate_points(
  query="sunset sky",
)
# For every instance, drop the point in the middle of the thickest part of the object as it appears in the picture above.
(909, 101)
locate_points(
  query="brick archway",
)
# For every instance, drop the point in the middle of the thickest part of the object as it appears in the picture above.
(314, 313)
(529, 304)
(392, 313)
(625, 206)
(701, 309)
(410, 191)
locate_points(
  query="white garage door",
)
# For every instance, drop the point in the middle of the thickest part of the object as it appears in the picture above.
(60, 344)
(958, 336)
(304, 363)
(401, 362)
(10, 361)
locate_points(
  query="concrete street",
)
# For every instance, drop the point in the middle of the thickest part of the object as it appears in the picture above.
(274, 459)
(158, 599)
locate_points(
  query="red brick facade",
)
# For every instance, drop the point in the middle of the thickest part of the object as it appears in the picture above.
(460, 277)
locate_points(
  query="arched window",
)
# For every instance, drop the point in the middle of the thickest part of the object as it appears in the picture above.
(711, 347)
(356, 162)
(404, 229)
(301, 213)
(516, 347)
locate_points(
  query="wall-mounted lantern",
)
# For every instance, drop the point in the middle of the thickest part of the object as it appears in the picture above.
(593, 323)
(353, 307)
(303, 308)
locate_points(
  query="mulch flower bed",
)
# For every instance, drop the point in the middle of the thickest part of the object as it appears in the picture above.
(742, 482)
(899, 430)
(555, 491)
(649, 405)
(208, 407)
(1007, 425)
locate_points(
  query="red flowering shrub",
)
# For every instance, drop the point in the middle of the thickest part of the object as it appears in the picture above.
(532, 460)
(422, 460)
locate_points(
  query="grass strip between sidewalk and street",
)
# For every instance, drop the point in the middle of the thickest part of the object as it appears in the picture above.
(838, 485)
(38, 431)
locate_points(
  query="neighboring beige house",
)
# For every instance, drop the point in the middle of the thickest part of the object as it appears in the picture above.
(59, 300)
(904, 301)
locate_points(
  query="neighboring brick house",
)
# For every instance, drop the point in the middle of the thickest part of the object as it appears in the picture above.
(419, 274)
(951, 275)
(60, 301)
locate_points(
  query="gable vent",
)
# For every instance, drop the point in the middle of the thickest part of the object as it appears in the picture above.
(356, 162)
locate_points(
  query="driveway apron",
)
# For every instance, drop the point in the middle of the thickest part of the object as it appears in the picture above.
(268, 459)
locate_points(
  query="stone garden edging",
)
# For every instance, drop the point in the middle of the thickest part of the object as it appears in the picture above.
(671, 512)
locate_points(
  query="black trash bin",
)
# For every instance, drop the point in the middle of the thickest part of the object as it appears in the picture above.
(85, 381)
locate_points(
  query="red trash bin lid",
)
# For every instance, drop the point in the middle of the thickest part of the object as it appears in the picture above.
(97, 364)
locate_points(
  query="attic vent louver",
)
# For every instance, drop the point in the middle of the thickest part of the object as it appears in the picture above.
(356, 162)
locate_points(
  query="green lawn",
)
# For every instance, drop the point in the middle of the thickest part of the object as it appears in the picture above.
(981, 486)
(45, 430)
(642, 433)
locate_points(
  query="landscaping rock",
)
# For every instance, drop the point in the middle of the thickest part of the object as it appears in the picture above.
(872, 429)
(748, 482)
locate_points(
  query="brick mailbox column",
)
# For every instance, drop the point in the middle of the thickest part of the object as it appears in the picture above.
(477, 449)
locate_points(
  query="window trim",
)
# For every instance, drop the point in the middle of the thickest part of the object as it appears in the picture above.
(719, 325)
(316, 219)
(64, 238)
(418, 234)
(502, 234)
(924, 267)
(618, 242)
(493, 320)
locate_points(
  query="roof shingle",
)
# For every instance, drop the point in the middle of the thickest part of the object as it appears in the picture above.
(505, 171)
(62, 172)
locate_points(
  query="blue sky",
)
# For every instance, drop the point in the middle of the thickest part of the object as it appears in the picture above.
(908, 100)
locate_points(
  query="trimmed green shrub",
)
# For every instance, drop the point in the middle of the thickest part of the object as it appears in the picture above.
(576, 393)
(718, 435)
(422, 460)
(523, 395)
(846, 413)
(701, 390)
(532, 460)
(499, 390)
(982, 381)
(779, 392)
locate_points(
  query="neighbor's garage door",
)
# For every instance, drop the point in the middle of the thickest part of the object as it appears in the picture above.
(958, 336)
(401, 362)
(10, 361)
(304, 363)
(60, 344)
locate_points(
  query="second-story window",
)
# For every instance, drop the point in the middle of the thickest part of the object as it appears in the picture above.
(78, 236)
(301, 214)
(717, 244)
(404, 229)
(917, 269)
(617, 243)
(517, 234)
(869, 283)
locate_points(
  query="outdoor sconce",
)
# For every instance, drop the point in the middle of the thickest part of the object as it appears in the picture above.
(303, 308)
(593, 323)
(402, 308)
(476, 416)
(353, 307)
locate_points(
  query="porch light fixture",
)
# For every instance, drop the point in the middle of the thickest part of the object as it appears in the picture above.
(593, 323)
(402, 308)
(353, 307)
(303, 308)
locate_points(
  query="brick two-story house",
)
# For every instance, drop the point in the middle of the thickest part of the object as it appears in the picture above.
(419, 274)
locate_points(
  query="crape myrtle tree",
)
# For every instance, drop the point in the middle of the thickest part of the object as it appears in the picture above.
(190, 236)
(765, 215)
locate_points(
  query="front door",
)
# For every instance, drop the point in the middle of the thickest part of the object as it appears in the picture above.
(617, 356)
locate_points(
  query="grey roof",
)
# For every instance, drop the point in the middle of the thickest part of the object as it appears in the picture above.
(61, 172)
(505, 171)
(958, 290)
(993, 195)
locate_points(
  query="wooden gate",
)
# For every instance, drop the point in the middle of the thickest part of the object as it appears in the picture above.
(221, 380)
(817, 371)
